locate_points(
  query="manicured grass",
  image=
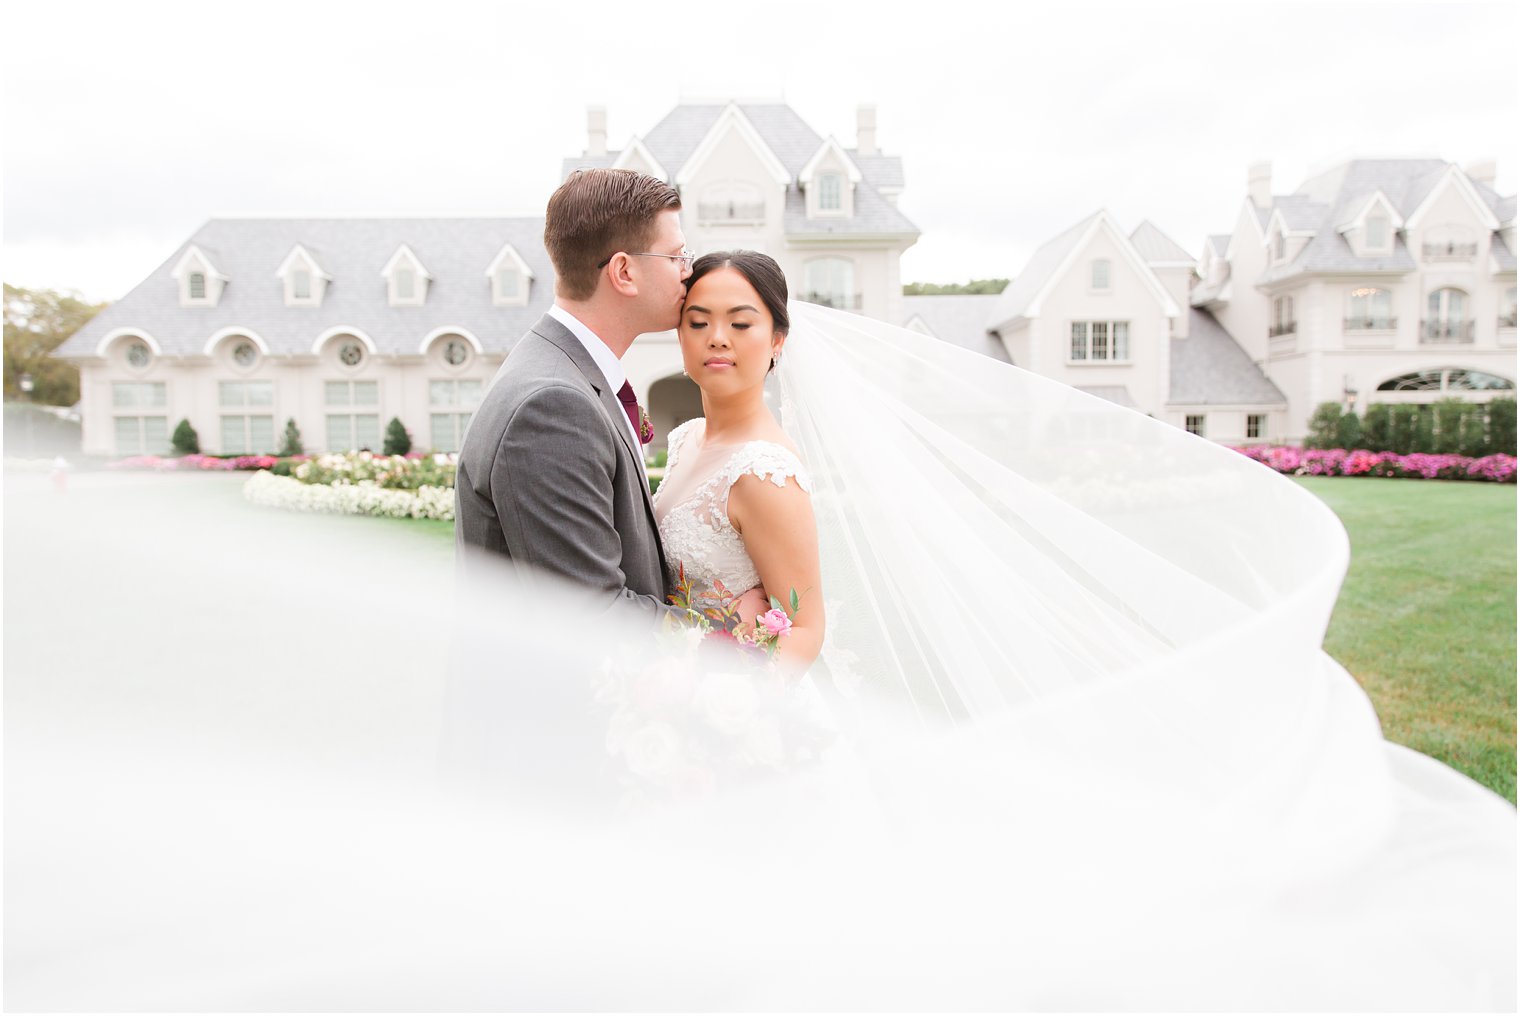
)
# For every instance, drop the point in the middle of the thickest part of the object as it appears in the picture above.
(1426, 618)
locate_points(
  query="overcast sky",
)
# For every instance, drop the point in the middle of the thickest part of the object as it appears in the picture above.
(128, 125)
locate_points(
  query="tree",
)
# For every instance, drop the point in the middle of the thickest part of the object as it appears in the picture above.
(36, 323)
(1401, 430)
(1324, 426)
(397, 440)
(1424, 429)
(1377, 427)
(292, 443)
(1449, 415)
(942, 289)
(1472, 439)
(185, 440)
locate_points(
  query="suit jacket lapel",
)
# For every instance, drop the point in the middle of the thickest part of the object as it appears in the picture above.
(552, 331)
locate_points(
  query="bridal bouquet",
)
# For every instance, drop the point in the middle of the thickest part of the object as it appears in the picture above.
(712, 709)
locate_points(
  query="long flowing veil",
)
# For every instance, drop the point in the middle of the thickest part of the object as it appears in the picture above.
(1082, 748)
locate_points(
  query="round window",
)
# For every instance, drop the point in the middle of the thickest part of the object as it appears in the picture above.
(351, 353)
(455, 352)
(244, 354)
(138, 355)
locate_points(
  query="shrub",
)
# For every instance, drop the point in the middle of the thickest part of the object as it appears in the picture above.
(292, 443)
(1377, 427)
(397, 440)
(185, 440)
(1324, 425)
(1501, 427)
(1348, 431)
(1448, 422)
(1424, 430)
(1401, 432)
(1472, 436)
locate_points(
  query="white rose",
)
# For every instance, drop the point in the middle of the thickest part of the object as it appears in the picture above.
(728, 701)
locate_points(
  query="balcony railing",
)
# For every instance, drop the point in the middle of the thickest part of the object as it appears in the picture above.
(731, 211)
(1371, 324)
(1435, 331)
(841, 301)
(1449, 251)
(1286, 328)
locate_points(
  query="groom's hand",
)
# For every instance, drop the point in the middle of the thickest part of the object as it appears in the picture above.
(751, 605)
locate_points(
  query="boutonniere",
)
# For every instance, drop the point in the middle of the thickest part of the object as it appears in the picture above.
(646, 429)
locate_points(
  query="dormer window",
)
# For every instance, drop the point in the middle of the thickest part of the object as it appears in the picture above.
(305, 281)
(1100, 274)
(511, 278)
(829, 180)
(200, 284)
(1279, 247)
(1377, 232)
(828, 193)
(406, 279)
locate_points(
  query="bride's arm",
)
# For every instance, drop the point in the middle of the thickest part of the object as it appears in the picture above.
(780, 536)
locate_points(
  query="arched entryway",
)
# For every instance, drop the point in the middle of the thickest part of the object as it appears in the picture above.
(672, 401)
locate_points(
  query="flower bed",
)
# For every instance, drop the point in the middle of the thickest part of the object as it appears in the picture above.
(362, 498)
(392, 472)
(1359, 462)
(162, 463)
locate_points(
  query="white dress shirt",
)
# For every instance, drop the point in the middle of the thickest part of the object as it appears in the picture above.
(606, 361)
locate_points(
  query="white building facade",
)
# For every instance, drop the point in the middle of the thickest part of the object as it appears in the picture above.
(342, 325)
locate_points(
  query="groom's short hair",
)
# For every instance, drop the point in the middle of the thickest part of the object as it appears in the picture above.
(596, 213)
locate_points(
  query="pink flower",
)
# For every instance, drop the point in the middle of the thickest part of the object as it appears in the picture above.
(775, 622)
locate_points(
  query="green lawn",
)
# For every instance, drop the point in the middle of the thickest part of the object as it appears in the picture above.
(1426, 619)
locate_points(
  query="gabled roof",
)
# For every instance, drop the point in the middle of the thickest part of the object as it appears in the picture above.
(1357, 209)
(1210, 368)
(1504, 208)
(352, 252)
(637, 149)
(1220, 242)
(194, 255)
(1294, 213)
(405, 253)
(675, 139)
(299, 253)
(1453, 178)
(957, 318)
(829, 146)
(1052, 260)
(731, 120)
(1503, 257)
(1156, 248)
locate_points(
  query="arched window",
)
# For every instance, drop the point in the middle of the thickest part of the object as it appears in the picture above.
(1100, 274)
(1370, 308)
(1447, 379)
(1446, 317)
(831, 282)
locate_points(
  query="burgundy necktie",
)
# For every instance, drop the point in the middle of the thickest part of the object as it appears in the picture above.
(631, 407)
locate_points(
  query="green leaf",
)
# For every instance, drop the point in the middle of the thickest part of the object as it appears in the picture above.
(795, 601)
(775, 603)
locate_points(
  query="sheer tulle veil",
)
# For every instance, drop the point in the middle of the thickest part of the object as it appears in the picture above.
(1089, 754)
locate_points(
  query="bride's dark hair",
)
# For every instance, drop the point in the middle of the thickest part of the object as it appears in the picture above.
(760, 270)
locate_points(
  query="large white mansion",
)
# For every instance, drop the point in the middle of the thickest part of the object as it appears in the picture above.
(1384, 279)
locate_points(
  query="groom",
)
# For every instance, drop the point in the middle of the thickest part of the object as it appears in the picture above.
(551, 471)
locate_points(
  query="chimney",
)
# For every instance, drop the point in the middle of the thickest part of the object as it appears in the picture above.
(596, 130)
(865, 130)
(1259, 184)
(1482, 171)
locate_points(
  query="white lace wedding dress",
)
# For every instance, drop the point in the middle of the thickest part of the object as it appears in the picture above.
(691, 506)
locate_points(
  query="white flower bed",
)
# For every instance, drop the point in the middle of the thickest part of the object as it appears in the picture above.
(362, 498)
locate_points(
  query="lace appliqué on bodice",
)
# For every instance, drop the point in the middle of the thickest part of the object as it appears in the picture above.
(695, 528)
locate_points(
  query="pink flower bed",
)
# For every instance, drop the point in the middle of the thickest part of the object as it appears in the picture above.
(197, 462)
(1359, 462)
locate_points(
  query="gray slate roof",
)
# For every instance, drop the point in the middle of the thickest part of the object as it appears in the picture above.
(1210, 368)
(1334, 197)
(1155, 246)
(1220, 242)
(959, 319)
(1505, 210)
(675, 138)
(456, 252)
(1503, 256)
(1015, 300)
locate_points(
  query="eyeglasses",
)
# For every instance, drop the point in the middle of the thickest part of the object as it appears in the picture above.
(686, 257)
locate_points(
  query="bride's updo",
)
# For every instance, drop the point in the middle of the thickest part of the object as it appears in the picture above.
(760, 270)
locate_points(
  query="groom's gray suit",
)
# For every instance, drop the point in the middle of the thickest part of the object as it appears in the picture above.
(549, 475)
